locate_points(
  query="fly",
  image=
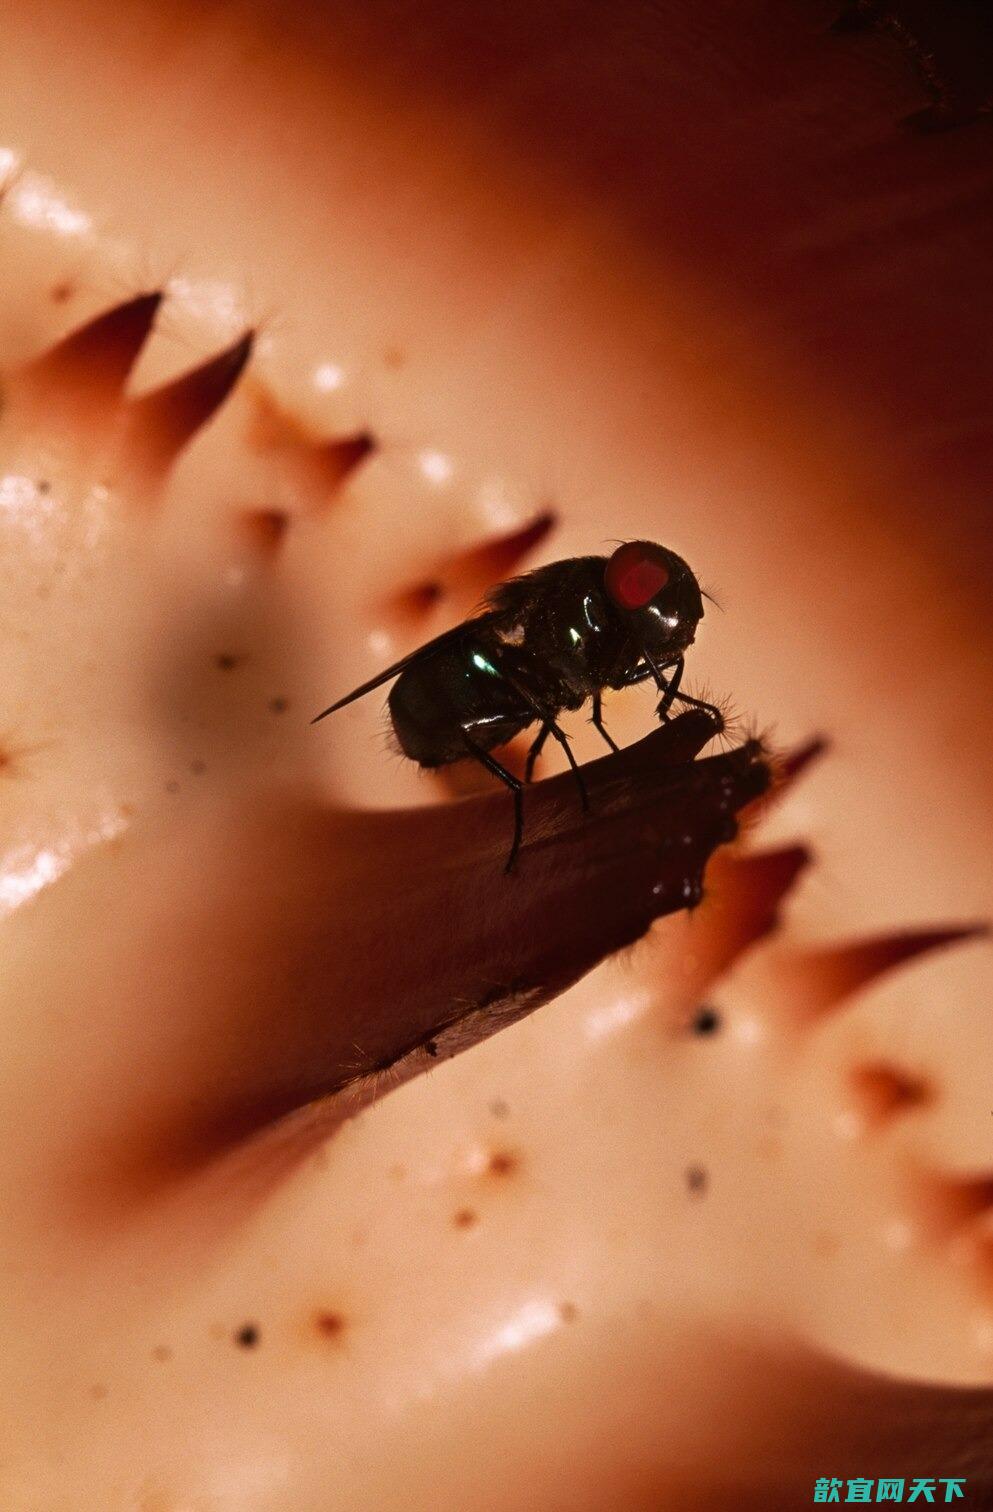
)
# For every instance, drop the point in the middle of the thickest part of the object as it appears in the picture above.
(545, 642)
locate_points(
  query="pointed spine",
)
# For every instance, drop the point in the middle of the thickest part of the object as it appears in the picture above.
(163, 422)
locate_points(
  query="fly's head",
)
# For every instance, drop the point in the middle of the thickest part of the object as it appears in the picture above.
(656, 595)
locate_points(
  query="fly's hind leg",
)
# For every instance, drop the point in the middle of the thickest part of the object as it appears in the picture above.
(549, 725)
(516, 787)
(535, 751)
(563, 740)
(598, 721)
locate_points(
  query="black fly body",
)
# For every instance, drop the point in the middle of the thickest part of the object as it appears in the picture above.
(545, 642)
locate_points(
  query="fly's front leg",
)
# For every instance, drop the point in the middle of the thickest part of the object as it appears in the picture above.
(671, 691)
(516, 787)
(699, 703)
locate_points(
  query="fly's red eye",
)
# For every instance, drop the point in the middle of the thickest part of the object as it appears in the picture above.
(635, 574)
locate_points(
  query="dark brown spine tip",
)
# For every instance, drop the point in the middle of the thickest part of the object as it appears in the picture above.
(467, 574)
(744, 895)
(786, 769)
(791, 765)
(166, 420)
(482, 566)
(758, 881)
(94, 361)
(336, 460)
(947, 1204)
(826, 978)
(262, 531)
(417, 601)
(881, 1092)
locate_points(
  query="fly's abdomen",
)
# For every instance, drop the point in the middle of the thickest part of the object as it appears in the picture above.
(458, 689)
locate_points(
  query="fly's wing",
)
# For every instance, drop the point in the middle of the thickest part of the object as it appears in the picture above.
(447, 638)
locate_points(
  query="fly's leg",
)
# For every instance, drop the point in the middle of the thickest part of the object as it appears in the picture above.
(639, 675)
(534, 752)
(598, 720)
(670, 690)
(557, 732)
(563, 741)
(698, 703)
(511, 781)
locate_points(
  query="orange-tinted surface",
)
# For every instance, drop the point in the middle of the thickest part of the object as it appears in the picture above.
(665, 274)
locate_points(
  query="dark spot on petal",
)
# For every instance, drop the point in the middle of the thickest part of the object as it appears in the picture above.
(263, 529)
(420, 598)
(330, 1325)
(882, 1092)
(706, 1020)
(503, 1163)
(247, 1336)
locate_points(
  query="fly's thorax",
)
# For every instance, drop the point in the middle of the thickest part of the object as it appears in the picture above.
(570, 640)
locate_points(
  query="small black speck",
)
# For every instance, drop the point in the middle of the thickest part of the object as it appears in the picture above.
(706, 1020)
(278, 705)
(247, 1336)
(696, 1178)
(172, 787)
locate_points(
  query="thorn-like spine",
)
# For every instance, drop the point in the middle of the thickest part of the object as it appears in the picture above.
(91, 365)
(468, 573)
(825, 977)
(263, 531)
(161, 423)
(321, 466)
